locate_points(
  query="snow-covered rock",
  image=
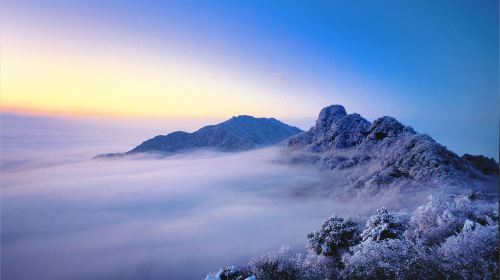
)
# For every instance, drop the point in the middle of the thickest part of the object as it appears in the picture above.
(384, 152)
(334, 129)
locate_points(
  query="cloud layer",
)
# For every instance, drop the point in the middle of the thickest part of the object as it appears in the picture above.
(66, 216)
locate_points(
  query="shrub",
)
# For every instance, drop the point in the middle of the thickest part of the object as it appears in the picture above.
(275, 265)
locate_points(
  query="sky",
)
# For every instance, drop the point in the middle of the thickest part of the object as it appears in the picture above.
(431, 64)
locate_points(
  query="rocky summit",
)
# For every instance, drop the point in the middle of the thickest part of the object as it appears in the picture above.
(383, 152)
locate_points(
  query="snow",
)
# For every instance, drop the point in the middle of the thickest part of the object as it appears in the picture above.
(384, 225)
(450, 236)
(454, 237)
(239, 133)
(384, 152)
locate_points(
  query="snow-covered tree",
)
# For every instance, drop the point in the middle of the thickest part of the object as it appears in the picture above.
(433, 222)
(390, 259)
(275, 265)
(384, 225)
(334, 238)
(317, 267)
(231, 272)
(473, 253)
(450, 238)
(377, 260)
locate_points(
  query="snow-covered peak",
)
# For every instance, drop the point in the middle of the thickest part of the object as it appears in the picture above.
(239, 133)
(330, 114)
(387, 127)
(384, 152)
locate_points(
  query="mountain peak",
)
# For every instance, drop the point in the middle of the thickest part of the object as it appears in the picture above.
(239, 133)
(329, 114)
(386, 150)
(243, 117)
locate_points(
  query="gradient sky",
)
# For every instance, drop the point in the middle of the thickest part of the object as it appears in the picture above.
(431, 64)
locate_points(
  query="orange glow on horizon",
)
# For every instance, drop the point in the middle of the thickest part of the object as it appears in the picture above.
(33, 110)
(64, 82)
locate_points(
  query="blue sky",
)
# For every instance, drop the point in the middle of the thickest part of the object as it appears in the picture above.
(431, 64)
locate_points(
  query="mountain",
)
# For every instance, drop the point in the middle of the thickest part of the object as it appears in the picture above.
(383, 152)
(236, 134)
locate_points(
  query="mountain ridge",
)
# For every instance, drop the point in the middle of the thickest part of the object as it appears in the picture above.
(239, 133)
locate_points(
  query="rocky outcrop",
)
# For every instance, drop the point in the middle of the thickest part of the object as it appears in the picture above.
(382, 152)
(334, 129)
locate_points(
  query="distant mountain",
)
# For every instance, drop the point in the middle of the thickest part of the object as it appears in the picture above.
(384, 152)
(236, 134)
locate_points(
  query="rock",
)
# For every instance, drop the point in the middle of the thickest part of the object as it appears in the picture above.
(334, 129)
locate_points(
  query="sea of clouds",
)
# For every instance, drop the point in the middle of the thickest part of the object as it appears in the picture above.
(65, 215)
